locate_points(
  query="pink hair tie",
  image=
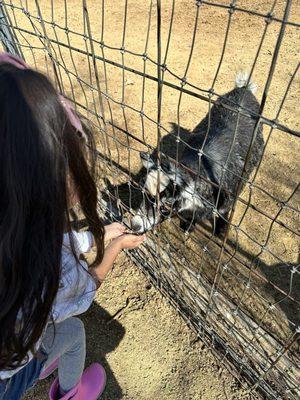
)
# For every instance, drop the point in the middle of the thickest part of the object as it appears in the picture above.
(73, 118)
(13, 60)
(19, 63)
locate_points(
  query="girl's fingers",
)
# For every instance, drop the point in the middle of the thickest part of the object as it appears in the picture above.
(131, 241)
(140, 239)
(118, 226)
(114, 230)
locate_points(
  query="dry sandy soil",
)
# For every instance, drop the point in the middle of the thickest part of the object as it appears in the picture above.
(155, 358)
(147, 350)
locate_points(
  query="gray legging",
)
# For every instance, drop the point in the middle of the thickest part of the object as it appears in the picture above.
(66, 340)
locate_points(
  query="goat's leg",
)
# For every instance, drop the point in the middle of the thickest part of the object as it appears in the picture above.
(187, 226)
(187, 221)
(221, 225)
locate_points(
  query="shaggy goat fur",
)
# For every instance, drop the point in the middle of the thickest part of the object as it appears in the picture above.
(203, 185)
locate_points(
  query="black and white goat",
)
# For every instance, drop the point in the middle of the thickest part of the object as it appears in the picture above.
(203, 184)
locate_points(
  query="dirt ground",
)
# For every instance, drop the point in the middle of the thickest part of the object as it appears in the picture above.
(147, 350)
(155, 357)
(279, 171)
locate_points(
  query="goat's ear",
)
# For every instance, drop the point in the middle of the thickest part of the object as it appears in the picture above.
(146, 160)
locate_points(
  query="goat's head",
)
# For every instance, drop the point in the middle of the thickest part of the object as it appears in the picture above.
(162, 182)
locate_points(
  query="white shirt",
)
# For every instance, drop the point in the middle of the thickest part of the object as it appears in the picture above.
(76, 287)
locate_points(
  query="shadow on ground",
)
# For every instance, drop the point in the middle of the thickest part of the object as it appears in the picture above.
(103, 335)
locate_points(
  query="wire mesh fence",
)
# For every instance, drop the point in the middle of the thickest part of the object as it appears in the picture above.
(210, 170)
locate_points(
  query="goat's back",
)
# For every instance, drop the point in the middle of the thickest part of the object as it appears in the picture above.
(225, 137)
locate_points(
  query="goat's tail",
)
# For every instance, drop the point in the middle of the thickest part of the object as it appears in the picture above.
(242, 80)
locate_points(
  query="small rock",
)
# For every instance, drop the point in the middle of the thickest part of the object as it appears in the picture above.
(129, 82)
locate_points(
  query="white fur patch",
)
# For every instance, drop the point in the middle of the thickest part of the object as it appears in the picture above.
(151, 183)
(190, 199)
(147, 163)
(241, 80)
(174, 174)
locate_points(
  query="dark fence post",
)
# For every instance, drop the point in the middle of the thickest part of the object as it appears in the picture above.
(7, 35)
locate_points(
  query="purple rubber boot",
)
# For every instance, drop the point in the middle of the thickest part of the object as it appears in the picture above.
(90, 387)
(49, 370)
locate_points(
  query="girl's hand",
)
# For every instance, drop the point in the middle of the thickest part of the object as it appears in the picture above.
(129, 241)
(125, 241)
(114, 230)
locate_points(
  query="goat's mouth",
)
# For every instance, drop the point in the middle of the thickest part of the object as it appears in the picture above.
(143, 223)
(140, 224)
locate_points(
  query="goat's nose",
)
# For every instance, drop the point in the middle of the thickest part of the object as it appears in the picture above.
(136, 225)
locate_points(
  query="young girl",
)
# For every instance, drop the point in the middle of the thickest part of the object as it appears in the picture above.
(44, 171)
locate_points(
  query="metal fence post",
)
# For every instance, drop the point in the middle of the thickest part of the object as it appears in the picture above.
(7, 35)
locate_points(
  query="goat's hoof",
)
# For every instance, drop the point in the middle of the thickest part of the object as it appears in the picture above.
(187, 227)
(221, 232)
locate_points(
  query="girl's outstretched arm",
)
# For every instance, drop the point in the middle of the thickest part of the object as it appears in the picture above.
(126, 241)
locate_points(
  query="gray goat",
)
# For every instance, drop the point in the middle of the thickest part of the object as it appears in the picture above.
(204, 183)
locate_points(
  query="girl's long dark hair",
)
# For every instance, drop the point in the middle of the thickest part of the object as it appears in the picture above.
(39, 149)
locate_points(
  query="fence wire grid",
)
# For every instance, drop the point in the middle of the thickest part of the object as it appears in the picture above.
(144, 74)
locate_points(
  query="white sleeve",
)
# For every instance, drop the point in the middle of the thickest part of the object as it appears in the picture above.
(76, 291)
(83, 241)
